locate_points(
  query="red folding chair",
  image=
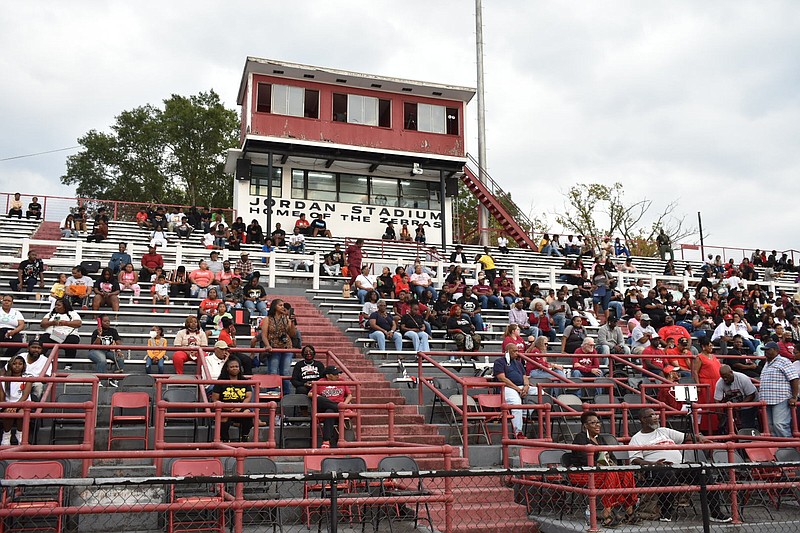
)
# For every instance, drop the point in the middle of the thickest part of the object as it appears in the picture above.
(127, 401)
(35, 499)
(197, 496)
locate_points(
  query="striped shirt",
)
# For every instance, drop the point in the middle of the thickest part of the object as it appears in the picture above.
(775, 381)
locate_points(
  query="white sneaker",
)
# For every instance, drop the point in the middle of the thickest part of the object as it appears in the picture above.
(6, 441)
(113, 382)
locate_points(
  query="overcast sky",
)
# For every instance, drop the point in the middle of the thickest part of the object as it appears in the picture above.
(694, 101)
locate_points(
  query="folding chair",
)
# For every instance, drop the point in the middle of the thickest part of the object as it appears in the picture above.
(751, 497)
(476, 426)
(555, 498)
(199, 494)
(790, 473)
(75, 423)
(36, 499)
(403, 487)
(182, 395)
(490, 405)
(291, 415)
(128, 401)
(263, 490)
(448, 387)
(350, 490)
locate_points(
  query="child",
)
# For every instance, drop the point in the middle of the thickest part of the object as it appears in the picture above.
(57, 290)
(161, 292)
(12, 391)
(155, 356)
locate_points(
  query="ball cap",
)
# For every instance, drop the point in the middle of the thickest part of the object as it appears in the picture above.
(670, 368)
(645, 317)
(222, 345)
(771, 345)
(728, 317)
(332, 370)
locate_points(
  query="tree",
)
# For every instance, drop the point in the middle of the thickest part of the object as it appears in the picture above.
(172, 156)
(595, 210)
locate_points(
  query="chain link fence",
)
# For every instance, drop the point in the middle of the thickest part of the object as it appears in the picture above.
(209, 494)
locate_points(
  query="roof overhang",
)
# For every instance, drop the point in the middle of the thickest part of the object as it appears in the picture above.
(344, 78)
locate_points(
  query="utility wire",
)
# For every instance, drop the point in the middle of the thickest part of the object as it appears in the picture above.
(38, 153)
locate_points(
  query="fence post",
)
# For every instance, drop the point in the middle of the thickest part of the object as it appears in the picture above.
(272, 264)
(334, 525)
(315, 269)
(78, 252)
(179, 254)
(704, 500)
(515, 276)
(26, 244)
(552, 276)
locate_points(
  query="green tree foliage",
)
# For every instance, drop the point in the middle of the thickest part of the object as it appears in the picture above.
(596, 210)
(174, 155)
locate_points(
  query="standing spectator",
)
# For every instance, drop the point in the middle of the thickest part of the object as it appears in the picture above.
(106, 291)
(736, 387)
(15, 207)
(190, 335)
(779, 389)
(78, 287)
(255, 296)
(11, 324)
(487, 262)
(307, 370)
(510, 371)
(61, 326)
(277, 331)
(354, 258)
(119, 259)
(383, 327)
(705, 371)
(107, 337)
(230, 393)
(34, 209)
(329, 397)
(129, 281)
(29, 273)
(664, 245)
(150, 262)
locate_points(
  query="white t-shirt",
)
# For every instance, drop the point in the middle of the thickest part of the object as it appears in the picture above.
(215, 365)
(162, 289)
(35, 369)
(297, 240)
(208, 239)
(63, 330)
(502, 242)
(11, 319)
(366, 283)
(665, 437)
(13, 390)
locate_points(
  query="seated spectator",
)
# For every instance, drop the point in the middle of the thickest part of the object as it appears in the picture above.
(11, 324)
(502, 244)
(245, 266)
(143, 218)
(539, 319)
(319, 228)
(29, 273)
(234, 243)
(255, 235)
(15, 207)
(99, 232)
(190, 335)
(383, 327)
(161, 293)
(297, 242)
(233, 293)
(610, 338)
(471, 306)
(158, 237)
(461, 330)
(421, 282)
(106, 291)
(512, 336)
(621, 249)
(518, 316)
(221, 234)
(119, 259)
(81, 220)
(400, 281)
(584, 365)
(14, 392)
(504, 287)
(412, 326)
(106, 336)
(510, 370)
(255, 296)
(405, 234)
(229, 393)
(78, 287)
(35, 367)
(67, 227)
(34, 209)
(642, 334)
(419, 234)
(537, 351)
(208, 308)
(307, 370)
(61, 327)
(577, 306)
(128, 281)
(389, 233)
(150, 261)
(202, 280)
(658, 359)
(57, 290)
(329, 397)
(302, 224)
(278, 236)
(662, 457)
(224, 276)
(222, 312)
(723, 334)
(546, 247)
(616, 507)
(574, 335)
(364, 283)
(384, 284)
(155, 356)
(455, 283)
(557, 310)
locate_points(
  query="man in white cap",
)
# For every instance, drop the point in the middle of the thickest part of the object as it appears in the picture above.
(643, 334)
(215, 361)
(245, 266)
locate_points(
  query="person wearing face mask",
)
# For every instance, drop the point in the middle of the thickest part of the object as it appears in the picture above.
(307, 370)
(156, 356)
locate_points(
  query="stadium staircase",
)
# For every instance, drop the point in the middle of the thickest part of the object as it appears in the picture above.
(488, 197)
(47, 231)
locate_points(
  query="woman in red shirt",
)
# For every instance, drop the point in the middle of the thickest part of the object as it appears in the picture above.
(208, 307)
(328, 399)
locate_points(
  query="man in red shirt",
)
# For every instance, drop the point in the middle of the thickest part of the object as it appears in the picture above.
(328, 399)
(150, 262)
(586, 366)
(654, 364)
(671, 331)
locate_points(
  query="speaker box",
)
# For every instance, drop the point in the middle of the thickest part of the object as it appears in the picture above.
(241, 316)
(451, 186)
(243, 169)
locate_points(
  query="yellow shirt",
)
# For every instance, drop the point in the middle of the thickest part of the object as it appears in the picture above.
(155, 355)
(487, 262)
(57, 290)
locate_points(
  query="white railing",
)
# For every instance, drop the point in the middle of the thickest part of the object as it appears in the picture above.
(278, 265)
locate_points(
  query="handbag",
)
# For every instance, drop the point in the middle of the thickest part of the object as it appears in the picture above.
(58, 337)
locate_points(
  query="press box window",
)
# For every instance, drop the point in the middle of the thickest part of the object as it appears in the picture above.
(353, 189)
(366, 110)
(430, 118)
(287, 100)
(312, 185)
(259, 182)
